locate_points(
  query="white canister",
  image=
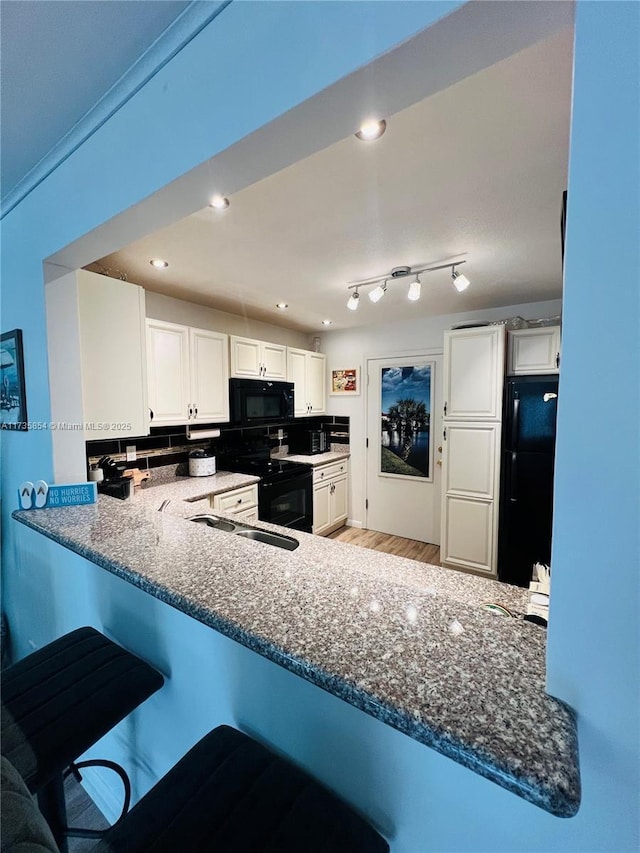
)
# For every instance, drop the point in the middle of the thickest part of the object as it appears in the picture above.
(202, 463)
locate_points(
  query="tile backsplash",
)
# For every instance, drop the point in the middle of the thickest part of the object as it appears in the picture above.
(169, 445)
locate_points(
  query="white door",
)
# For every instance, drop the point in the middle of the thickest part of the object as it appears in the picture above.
(404, 448)
(209, 375)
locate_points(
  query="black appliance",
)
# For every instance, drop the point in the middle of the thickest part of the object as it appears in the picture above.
(526, 489)
(307, 441)
(285, 490)
(259, 402)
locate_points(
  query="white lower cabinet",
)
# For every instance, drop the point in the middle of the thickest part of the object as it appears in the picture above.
(470, 496)
(330, 496)
(243, 502)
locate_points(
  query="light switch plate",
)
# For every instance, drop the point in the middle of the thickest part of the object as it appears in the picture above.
(131, 453)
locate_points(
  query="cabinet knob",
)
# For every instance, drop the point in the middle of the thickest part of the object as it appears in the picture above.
(239, 500)
(150, 414)
(322, 475)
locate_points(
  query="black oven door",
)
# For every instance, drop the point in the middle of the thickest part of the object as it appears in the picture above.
(288, 502)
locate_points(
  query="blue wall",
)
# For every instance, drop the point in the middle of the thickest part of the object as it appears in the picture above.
(422, 800)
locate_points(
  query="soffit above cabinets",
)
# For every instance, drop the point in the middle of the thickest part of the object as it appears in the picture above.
(474, 172)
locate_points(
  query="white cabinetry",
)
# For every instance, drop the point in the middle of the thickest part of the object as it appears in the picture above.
(258, 359)
(474, 379)
(97, 373)
(534, 351)
(307, 371)
(188, 373)
(242, 502)
(473, 373)
(330, 495)
(470, 485)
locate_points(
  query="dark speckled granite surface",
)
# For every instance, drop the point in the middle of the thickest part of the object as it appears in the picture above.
(405, 642)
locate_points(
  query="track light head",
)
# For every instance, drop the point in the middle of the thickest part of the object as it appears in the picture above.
(460, 281)
(378, 292)
(354, 301)
(414, 290)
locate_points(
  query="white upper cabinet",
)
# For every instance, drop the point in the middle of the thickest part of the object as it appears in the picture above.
(307, 371)
(534, 351)
(188, 373)
(97, 376)
(168, 372)
(474, 373)
(258, 359)
(209, 375)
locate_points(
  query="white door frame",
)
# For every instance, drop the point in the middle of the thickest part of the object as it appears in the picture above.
(426, 353)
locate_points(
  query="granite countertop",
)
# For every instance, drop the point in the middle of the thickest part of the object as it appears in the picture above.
(191, 489)
(406, 642)
(316, 459)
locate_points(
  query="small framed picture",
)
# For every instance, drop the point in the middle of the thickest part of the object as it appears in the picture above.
(13, 400)
(345, 381)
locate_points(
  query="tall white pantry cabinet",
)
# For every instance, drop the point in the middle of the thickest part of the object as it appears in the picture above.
(472, 425)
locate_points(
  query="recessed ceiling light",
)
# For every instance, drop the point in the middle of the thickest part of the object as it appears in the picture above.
(282, 306)
(327, 322)
(158, 263)
(372, 129)
(219, 202)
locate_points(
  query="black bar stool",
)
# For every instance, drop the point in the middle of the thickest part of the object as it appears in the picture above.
(229, 794)
(60, 700)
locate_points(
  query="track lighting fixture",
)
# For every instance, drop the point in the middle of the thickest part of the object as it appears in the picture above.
(378, 292)
(414, 290)
(354, 301)
(460, 281)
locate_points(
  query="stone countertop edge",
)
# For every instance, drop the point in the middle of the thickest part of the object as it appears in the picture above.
(315, 459)
(559, 797)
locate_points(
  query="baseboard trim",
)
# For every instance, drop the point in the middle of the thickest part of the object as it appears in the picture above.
(107, 798)
(352, 522)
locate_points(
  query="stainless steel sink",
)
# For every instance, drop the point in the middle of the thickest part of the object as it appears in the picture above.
(269, 538)
(246, 532)
(214, 521)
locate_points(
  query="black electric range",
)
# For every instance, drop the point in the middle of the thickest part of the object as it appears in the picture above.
(285, 490)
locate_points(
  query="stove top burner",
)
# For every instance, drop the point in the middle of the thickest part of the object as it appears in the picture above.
(269, 469)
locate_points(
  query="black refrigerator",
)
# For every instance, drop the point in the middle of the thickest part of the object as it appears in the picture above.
(526, 476)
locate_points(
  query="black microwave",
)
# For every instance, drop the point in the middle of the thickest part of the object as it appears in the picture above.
(257, 402)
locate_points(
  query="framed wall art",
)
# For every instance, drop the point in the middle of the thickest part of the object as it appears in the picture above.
(406, 405)
(345, 382)
(13, 400)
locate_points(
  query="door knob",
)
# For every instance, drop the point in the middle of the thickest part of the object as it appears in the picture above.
(440, 449)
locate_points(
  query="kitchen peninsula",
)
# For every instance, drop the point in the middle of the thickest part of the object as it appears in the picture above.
(407, 643)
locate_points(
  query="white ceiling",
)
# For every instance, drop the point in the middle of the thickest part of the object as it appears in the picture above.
(476, 172)
(58, 59)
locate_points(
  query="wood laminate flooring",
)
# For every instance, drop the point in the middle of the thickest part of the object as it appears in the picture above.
(423, 552)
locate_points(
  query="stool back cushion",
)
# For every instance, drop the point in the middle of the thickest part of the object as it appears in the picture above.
(23, 828)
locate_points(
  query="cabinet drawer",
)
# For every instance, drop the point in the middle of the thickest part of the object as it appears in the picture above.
(326, 472)
(238, 499)
(248, 515)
